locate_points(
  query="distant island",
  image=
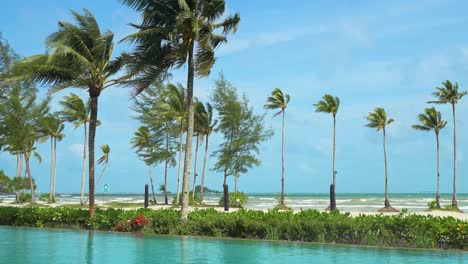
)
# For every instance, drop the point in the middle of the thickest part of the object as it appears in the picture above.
(205, 190)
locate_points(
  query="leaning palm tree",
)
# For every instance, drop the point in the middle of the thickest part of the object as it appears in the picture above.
(51, 127)
(76, 111)
(142, 143)
(378, 119)
(449, 94)
(207, 125)
(104, 159)
(79, 56)
(175, 106)
(180, 32)
(278, 100)
(330, 104)
(431, 120)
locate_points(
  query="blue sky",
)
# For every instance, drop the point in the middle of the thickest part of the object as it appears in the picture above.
(389, 54)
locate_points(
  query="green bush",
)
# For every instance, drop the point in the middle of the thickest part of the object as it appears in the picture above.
(402, 230)
(192, 202)
(236, 199)
(45, 197)
(24, 198)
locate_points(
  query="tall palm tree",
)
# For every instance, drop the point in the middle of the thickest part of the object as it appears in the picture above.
(431, 120)
(76, 111)
(330, 105)
(378, 119)
(175, 106)
(182, 31)
(197, 127)
(104, 159)
(79, 56)
(207, 125)
(449, 94)
(280, 101)
(144, 148)
(51, 127)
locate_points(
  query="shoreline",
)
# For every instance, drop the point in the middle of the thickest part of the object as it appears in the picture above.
(435, 213)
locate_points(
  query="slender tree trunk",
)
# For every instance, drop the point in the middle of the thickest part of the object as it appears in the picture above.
(166, 201)
(92, 137)
(188, 146)
(180, 161)
(282, 162)
(102, 173)
(225, 178)
(152, 185)
(236, 177)
(31, 181)
(83, 172)
(18, 165)
(334, 162)
(438, 172)
(202, 185)
(55, 169)
(454, 198)
(51, 183)
(21, 164)
(387, 202)
(195, 169)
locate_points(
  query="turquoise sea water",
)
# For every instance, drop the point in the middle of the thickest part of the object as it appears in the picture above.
(349, 202)
(27, 245)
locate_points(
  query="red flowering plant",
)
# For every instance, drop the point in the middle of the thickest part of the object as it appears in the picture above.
(136, 223)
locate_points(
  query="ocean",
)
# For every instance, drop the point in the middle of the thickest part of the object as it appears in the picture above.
(350, 202)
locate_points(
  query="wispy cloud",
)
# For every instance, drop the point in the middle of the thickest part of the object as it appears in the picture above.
(268, 39)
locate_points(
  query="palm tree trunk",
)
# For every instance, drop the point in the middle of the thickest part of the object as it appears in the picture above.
(387, 202)
(438, 173)
(102, 173)
(18, 165)
(180, 161)
(92, 137)
(454, 198)
(55, 169)
(51, 183)
(166, 201)
(195, 169)
(282, 162)
(152, 185)
(188, 145)
(236, 177)
(31, 182)
(83, 172)
(202, 185)
(334, 163)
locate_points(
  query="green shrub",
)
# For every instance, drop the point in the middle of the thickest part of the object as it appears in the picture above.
(24, 198)
(432, 205)
(45, 197)
(192, 202)
(236, 199)
(402, 230)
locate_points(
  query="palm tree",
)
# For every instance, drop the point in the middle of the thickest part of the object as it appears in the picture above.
(278, 100)
(330, 104)
(104, 159)
(78, 56)
(197, 128)
(175, 106)
(76, 111)
(378, 119)
(180, 32)
(431, 120)
(207, 124)
(144, 148)
(51, 127)
(448, 94)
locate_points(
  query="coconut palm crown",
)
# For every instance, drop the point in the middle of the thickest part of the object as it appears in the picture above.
(378, 119)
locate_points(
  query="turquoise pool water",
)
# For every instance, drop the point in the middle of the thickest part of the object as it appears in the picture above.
(28, 245)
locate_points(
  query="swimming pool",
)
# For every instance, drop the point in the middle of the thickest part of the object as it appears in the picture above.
(31, 245)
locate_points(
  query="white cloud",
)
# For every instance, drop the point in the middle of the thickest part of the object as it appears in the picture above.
(76, 149)
(268, 39)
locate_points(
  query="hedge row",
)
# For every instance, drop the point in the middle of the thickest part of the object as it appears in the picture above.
(403, 230)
